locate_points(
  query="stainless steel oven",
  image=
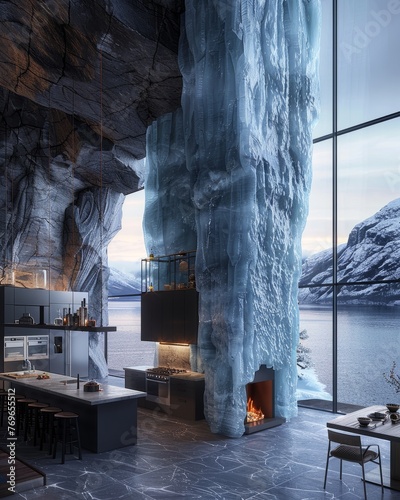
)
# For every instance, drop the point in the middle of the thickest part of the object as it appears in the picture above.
(14, 349)
(157, 388)
(37, 347)
(158, 384)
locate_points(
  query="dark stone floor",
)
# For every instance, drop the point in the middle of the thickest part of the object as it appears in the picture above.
(179, 459)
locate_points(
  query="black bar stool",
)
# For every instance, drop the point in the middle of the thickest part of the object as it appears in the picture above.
(4, 398)
(22, 405)
(32, 418)
(48, 426)
(3, 403)
(67, 422)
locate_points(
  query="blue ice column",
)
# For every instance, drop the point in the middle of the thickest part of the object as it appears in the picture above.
(169, 223)
(249, 103)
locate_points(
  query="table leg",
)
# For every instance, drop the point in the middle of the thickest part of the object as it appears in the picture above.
(395, 461)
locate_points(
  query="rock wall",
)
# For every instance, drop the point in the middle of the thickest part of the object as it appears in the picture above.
(79, 84)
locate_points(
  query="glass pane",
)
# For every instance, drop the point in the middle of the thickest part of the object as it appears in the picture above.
(368, 343)
(324, 125)
(368, 175)
(317, 235)
(315, 355)
(368, 63)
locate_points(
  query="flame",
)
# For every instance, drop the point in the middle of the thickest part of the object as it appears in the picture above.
(253, 413)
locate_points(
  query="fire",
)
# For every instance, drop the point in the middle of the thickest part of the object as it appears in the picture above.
(253, 413)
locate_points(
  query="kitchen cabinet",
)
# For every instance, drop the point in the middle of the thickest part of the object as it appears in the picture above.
(135, 378)
(187, 396)
(170, 316)
(68, 347)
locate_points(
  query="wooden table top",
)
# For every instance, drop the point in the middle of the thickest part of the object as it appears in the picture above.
(382, 430)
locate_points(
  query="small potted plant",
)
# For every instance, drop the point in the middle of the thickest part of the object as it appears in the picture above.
(392, 378)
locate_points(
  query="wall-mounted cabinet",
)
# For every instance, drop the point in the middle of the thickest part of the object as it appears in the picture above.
(169, 299)
(170, 316)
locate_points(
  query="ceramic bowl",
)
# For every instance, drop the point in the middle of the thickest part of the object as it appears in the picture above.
(364, 421)
(392, 407)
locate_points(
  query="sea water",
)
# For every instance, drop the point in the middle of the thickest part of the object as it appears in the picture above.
(124, 346)
(368, 340)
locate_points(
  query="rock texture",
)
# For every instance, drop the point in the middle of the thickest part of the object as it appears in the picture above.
(372, 253)
(79, 84)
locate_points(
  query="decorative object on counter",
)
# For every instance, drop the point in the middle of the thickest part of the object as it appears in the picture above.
(77, 381)
(392, 378)
(378, 415)
(392, 407)
(27, 366)
(91, 386)
(192, 281)
(395, 418)
(364, 421)
(26, 319)
(59, 320)
(43, 376)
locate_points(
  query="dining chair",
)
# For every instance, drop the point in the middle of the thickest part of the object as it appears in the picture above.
(350, 449)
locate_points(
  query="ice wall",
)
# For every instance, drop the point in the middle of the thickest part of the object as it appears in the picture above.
(248, 106)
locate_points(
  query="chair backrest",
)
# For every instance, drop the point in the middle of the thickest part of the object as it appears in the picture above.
(349, 439)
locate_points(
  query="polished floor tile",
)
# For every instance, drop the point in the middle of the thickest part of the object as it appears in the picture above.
(180, 459)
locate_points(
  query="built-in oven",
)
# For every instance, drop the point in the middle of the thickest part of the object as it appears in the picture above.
(14, 349)
(37, 347)
(158, 384)
(157, 388)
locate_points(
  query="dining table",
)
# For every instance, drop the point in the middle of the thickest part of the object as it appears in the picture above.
(379, 428)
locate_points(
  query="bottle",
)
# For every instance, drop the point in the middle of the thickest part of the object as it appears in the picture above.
(26, 365)
(65, 314)
(58, 320)
(75, 318)
(69, 318)
(85, 313)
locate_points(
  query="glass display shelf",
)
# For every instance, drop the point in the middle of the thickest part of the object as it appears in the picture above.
(168, 272)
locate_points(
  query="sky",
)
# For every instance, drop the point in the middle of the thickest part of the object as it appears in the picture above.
(368, 160)
(127, 248)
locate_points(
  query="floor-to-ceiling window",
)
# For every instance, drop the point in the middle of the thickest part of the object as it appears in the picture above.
(350, 288)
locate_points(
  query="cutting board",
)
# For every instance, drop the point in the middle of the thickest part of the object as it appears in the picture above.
(21, 375)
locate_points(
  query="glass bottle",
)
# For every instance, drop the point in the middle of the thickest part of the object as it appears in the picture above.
(58, 321)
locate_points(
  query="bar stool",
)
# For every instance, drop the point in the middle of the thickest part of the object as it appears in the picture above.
(4, 397)
(67, 422)
(22, 405)
(48, 426)
(3, 403)
(32, 417)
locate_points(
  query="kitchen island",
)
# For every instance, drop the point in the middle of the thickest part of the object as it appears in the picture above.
(107, 418)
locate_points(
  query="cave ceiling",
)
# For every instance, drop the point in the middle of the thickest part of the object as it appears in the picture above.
(82, 80)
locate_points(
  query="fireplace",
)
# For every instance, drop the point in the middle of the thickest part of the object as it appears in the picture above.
(260, 402)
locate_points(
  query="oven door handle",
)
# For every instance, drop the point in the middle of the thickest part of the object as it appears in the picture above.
(157, 381)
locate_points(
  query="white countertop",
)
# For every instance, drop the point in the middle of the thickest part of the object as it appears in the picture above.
(66, 387)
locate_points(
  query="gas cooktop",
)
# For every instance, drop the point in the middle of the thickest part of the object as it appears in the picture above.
(165, 370)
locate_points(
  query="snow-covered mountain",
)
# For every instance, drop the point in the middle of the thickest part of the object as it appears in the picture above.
(372, 253)
(120, 283)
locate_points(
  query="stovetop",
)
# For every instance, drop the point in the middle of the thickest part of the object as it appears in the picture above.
(165, 370)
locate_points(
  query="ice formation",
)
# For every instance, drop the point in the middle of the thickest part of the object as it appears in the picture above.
(248, 107)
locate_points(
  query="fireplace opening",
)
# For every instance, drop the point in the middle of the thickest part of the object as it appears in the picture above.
(260, 402)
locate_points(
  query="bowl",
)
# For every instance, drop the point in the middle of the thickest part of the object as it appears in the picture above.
(364, 421)
(392, 407)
